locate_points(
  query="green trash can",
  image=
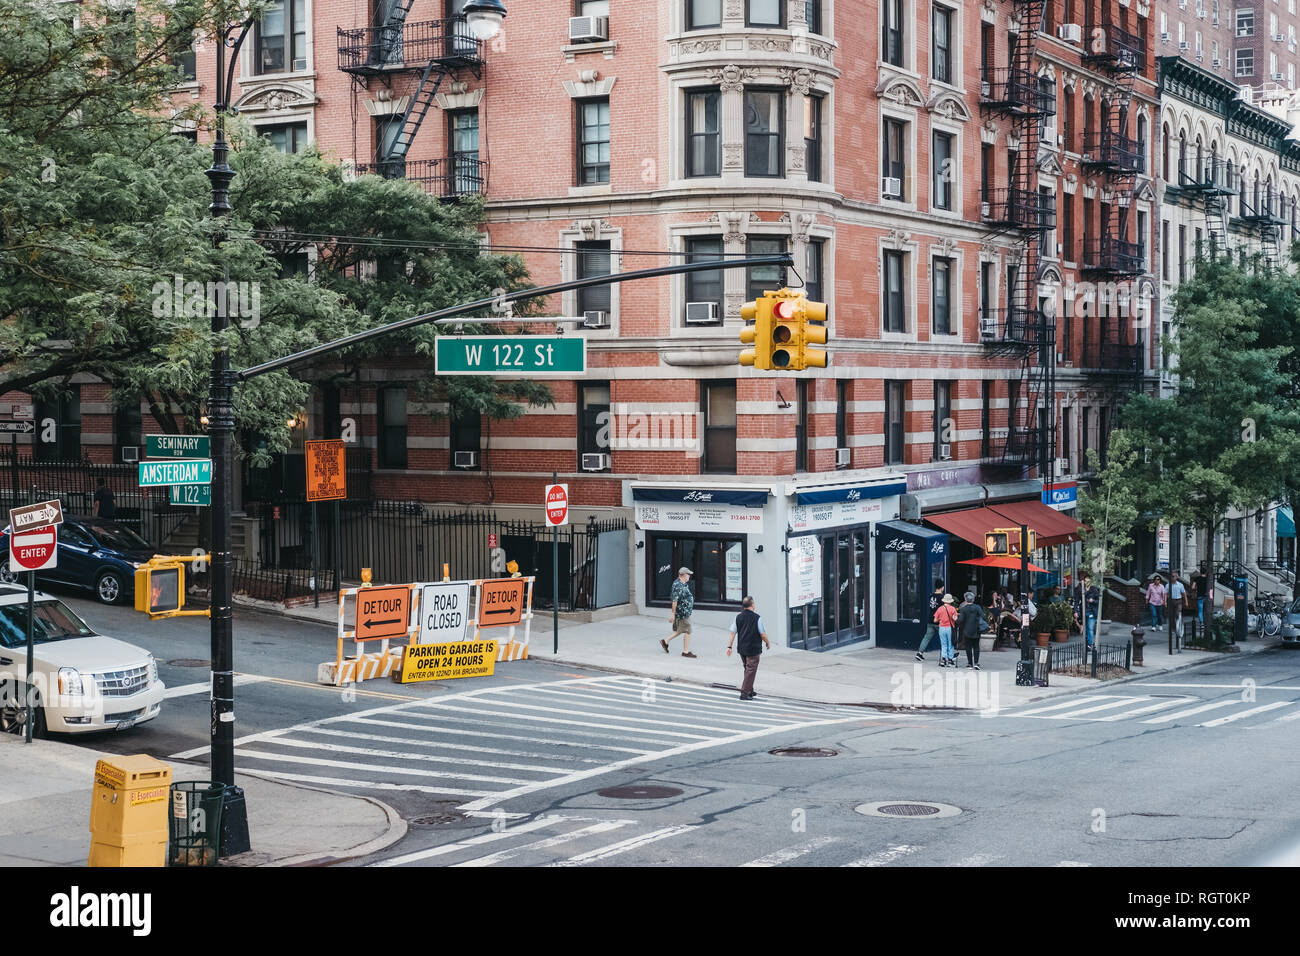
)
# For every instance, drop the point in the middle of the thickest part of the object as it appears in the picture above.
(194, 832)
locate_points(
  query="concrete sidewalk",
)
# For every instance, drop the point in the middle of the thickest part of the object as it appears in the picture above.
(45, 792)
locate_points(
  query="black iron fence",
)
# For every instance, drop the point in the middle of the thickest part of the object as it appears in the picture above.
(1078, 658)
(278, 585)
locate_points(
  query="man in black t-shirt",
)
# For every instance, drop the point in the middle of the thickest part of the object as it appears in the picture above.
(752, 639)
(105, 506)
(932, 629)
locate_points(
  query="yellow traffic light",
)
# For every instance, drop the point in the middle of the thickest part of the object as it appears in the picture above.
(759, 335)
(998, 543)
(160, 587)
(813, 326)
(785, 324)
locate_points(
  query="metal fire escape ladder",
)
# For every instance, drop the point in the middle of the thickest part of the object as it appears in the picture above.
(389, 36)
(421, 99)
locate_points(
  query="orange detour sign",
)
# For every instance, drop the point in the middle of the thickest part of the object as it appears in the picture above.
(500, 602)
(326, 471)
(383, 612)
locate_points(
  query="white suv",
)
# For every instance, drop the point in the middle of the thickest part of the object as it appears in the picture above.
(81, 681)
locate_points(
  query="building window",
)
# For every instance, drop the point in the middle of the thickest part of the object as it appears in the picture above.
(463, 135)
(986, 170)
(705, 286)
(65, 411)
(281, 37)
(892, 26)
(703, 143)
(286, 137)
(593, 420)
(1246, 22)
(1067, 440)
(764, 13)
(1182, 253)
(764, 125)
(1164, 249)
(593, 8)
(128, 430)
(941, 297)
(466, 434)
(386, 163)
(1142, 238)
(987, 296)
(392, 428)
(812, 136)
(1067, 120)
(813, 15)
(941, 158)
(720, 579)
(593, 142)
(841, 415)
(703, 13)
(895, 300)
(1245, 62)
(941, 44)
(1013, 403)
(801, 425)
(1067, 227)
(894, 416)
(943, 422)
(182, 58)
(814, 271)
(893, 157)
(1046, 246)
(719, 402)
(986, 418)
(594, 260)
(760, 279)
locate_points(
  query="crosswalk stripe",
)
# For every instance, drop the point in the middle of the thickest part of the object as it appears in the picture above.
(1149, 708)
(660, 706)
(1068, 703)
(1072, 863)
(653, 734)
(444, 745)
(406, 755)
(380, 768)
(790, 853)
(1294, 715)
(502, 855)
(205, 687)
(430, 728)
(979, 859)
(1245, 713)
(885, 856)
(614, 849)
(686, 692)
(1114, 702)
(361, 784)
(495, 836)
(1178, 715)
(573, 712)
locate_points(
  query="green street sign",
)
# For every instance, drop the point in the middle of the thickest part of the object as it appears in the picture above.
(522, 355)
(176, 446)
(189, 494)
(190, 472)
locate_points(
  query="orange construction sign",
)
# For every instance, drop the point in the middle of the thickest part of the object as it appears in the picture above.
(383, 612)
(327, 477)
(500, 602)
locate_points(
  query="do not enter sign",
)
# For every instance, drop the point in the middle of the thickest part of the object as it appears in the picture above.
(34, 550)
(557, 504)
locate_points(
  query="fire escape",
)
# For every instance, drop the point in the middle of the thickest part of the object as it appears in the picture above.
(1023, 330)
(1262, 216)
(1110, 259)
(1213, 181)
(429, 52)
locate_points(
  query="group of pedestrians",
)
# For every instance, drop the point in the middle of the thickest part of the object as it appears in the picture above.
(966, 620)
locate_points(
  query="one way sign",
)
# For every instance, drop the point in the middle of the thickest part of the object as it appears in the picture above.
(36, 516)
(18, 428)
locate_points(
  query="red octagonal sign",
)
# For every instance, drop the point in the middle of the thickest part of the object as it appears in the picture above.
(557, 504)
(33, 550)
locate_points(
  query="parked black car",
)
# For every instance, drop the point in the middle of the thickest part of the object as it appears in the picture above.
(94, 554)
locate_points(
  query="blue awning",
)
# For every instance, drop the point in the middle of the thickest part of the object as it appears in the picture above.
(906, 537)
(1285, 522)
(700, 496)
(826, 496)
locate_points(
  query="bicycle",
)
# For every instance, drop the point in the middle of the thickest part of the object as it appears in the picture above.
(1269, 611)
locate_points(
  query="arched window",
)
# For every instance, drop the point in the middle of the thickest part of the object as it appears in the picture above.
(1214, 162)
(1294, 234)
(1182, 158)
(1142, 143)
(1166, 144)
(1255, 194)
(1241, 193)
(1199, 172)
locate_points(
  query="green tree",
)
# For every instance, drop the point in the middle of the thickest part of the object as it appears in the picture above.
(1110, 509)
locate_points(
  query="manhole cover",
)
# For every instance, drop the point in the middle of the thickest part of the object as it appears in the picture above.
(907, 808)
(639, 793)
(190, 662)
(444, 813)
(803, 752)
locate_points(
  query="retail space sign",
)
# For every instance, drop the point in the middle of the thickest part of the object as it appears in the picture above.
(804, 569)
(835, 514)
(674, 517)
(1061, 495)
(734, 570)
(444, 612)
(422, 662)
(510, 355)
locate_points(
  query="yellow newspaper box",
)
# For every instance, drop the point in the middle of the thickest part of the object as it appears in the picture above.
(128, 812)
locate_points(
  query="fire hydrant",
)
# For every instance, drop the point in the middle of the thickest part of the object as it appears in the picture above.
(1139, 642)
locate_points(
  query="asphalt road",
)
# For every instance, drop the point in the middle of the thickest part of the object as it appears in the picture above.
(547, 765)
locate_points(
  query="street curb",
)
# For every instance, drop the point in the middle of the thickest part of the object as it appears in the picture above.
(275, 611)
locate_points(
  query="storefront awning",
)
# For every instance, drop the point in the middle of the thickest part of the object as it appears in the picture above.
(721, 496)
(1050, 526)
(1285, 522)
(969, 525)
(995, 561)
(825, 496)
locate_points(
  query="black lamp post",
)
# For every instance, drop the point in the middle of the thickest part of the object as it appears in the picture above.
(221, 427)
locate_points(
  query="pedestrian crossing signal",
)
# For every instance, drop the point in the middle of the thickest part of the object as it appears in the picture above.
(997, 543)
(160, 587)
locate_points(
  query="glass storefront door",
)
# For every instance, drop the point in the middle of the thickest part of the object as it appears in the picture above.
(840, 617)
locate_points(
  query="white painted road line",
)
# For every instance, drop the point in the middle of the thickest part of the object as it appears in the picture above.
(406, 755)
(400, 771)
(1068, 703)
(790, 853)
(363, 784)
(502, 855)
(1158, 705)
(1237, 686)
(1113, 702)
(1294, 715)
(885, 857)
(205, 687)
(1178, 715)
(444, 745)
(493, 837)
(979, 859)
(601, 719)
(456, 731)
(1245, 713)
(614, 849)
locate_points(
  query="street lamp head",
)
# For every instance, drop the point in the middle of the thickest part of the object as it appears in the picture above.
(484, 17)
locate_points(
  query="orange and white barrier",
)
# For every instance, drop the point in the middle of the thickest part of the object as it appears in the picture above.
(361, 666)
(514, 645)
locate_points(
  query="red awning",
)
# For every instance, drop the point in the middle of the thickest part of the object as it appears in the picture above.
(969, 525)
(997, 561)
(1049, 525)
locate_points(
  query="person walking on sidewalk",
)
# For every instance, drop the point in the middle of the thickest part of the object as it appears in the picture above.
(1177, 598)
(1156, 599)
(1086, 604)
(946, 619)
(970, 623)
(680, 615)
(750, 637)
(932, 629)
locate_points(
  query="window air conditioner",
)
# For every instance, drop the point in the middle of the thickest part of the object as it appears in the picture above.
(988, 327)
(1184, 45)
(841, 457)
(1164, 38)
(1246, 93)
(595, 462)
(1279, 37)
(945, 452)
(701, 313)
(1279, 77)
(465, 459)
(1216, 63)
(891, 187)
(588, 29)
(1244, 31)
(986, 88)
(1182, 4)
(130, 453)
(1062, 467)
(595, 320)
(300, 64)
(1070, 32)
(1200, 55)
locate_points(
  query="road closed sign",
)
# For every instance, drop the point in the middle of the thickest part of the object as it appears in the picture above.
(557, 504)
(500, 602)
(444, 612)
(383, 612)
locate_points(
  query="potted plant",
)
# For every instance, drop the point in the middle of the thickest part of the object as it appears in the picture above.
(1062, 615)
(1042, 624)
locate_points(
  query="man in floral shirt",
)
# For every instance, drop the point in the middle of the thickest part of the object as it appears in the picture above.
(680, 616)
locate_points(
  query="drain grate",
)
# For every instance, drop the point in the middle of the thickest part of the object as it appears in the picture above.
(645, 792)
(908, 809)
(445, 812)
(190, 662)
(803, 752)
